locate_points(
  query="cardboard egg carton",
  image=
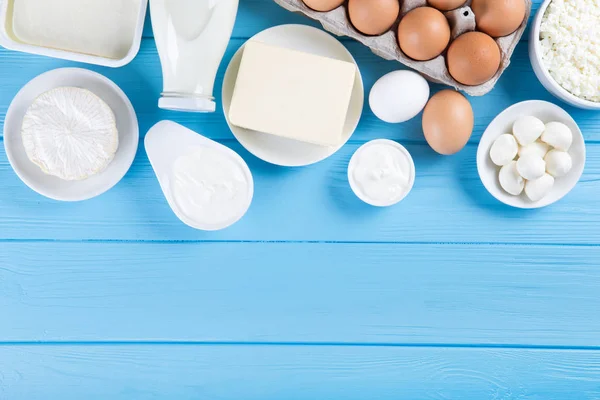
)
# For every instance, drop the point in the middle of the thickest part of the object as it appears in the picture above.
(386, 46)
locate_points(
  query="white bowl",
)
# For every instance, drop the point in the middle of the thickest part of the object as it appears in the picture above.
(282, 151)
(354, 184)
(547, 112)
(535, 55)
(51, 186)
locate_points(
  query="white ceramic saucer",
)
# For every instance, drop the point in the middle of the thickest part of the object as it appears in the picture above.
(53, 187)
(547, 112)
(282, 151)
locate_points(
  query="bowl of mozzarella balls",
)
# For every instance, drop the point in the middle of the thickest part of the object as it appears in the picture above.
(531, 155)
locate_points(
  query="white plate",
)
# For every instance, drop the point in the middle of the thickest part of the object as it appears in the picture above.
(51, 186)
(282, 151)
(547, 112)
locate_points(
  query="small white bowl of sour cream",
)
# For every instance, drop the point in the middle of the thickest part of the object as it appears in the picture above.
(381, 173)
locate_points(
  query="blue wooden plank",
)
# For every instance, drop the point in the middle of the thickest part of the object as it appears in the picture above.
(290, 292)
(142, 81)
(295, 373)
(448, 204)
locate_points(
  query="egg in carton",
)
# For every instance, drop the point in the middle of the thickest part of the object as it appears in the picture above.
(461, 20)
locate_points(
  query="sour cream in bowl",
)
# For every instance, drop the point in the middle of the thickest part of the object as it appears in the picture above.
(381, 173)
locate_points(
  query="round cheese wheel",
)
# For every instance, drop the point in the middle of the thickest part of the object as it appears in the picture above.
(70, 133)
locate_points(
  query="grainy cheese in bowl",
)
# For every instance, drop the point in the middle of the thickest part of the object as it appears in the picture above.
(569, 38)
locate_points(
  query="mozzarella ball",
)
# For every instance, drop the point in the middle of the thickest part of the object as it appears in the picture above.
(510, 180)
(528, 129)
(531, 166)
(539, 188)
(504, 150)
(558, 135)
(537, 148)
(558, 163)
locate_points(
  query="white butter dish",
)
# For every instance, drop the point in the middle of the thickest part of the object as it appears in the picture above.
(206, 187)
(284, 151)
(116, 42)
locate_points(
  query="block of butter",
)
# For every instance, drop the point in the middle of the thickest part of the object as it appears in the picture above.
(292, 94)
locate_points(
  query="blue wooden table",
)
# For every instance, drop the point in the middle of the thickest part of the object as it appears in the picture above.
(313, 295)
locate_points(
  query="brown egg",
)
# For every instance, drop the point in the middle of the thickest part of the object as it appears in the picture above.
(448, 122)
(373, 17)
(423, 33)
(446, 5)
(498, 17)
(323, 5)
(473, 58)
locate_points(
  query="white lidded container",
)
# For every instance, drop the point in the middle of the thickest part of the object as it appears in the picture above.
(100, 32)
(191, 37)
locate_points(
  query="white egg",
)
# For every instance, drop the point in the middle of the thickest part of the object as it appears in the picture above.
(528, 129)
(558, 135)
(531, 166)
(510, 180)
(558, 163)
(504, 150)
(539, 188)
(399, 96)
(537, 148)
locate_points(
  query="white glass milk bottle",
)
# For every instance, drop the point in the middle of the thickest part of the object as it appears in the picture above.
(191, 37)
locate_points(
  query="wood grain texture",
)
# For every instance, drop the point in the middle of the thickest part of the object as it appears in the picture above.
(295, 373)
(289, 292)
(461, 298)
(142, 82)
(447, 205)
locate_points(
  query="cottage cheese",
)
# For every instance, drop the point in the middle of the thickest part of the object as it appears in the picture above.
(570, 40)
